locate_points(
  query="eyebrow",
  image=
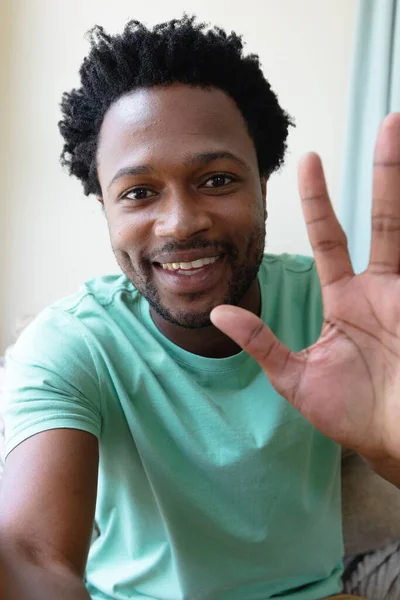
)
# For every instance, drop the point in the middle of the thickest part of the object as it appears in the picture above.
(139, 170)
(201, 157)
(208, 157)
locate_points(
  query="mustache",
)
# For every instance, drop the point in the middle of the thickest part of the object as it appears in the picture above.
(170, 247)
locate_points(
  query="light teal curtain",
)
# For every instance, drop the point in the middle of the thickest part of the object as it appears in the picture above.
(374, 92)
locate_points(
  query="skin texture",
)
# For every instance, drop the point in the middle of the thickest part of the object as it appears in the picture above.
(348, 383)
(184, 202)
(47, 504)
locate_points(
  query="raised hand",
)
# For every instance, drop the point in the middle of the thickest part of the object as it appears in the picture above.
(348, 383)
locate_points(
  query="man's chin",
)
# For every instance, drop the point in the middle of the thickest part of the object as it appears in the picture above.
(188, 319)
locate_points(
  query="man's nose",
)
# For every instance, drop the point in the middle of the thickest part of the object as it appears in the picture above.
(181, 216)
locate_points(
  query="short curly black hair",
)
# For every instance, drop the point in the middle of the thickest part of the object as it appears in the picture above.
(178, 51)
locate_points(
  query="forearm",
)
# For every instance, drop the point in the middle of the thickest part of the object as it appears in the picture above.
(21, 579)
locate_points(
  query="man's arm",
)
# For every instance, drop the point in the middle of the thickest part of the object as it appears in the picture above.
(47, 503)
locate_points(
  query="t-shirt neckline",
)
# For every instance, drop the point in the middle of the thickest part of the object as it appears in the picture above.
(194, 360)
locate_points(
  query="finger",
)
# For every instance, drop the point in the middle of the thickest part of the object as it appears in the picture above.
(326, 236)
(283, 367)
(385, 240)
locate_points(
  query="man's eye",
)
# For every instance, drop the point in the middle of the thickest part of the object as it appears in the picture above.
(218, 181)
(139, 193)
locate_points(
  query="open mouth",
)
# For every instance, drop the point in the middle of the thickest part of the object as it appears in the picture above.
(189, 268)
(197, 275)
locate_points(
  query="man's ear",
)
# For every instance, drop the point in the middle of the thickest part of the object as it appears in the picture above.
(100, 199)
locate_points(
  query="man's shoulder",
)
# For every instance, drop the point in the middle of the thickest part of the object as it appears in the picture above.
(287, 276)
(71, 318)
(293, 303)
(98, 291)
(288, 271)
(293, 263)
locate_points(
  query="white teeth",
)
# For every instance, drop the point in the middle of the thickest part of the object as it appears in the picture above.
(196, 264)
(200, 262)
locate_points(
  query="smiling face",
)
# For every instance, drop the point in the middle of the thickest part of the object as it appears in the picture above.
(184, 200)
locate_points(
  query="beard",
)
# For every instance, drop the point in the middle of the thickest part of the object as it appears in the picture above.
(244, 266)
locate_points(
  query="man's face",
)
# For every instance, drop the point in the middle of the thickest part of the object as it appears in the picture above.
(183, 198)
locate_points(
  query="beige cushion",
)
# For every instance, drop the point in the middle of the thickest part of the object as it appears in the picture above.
(371, 508)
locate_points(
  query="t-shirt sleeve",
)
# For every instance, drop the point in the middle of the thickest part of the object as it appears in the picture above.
(51, 380)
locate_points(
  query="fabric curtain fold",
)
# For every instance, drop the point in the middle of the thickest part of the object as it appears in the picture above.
(374, 92)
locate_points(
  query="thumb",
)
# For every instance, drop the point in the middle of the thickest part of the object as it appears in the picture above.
(250, 333)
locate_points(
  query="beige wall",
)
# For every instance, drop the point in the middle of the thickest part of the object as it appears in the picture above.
(51, 237)
(5, 159)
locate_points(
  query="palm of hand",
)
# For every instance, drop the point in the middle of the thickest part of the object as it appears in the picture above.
(348, 383)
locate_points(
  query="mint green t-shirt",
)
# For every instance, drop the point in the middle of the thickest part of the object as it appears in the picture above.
(211, 485)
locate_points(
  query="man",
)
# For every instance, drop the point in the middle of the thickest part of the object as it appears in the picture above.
(135, 391)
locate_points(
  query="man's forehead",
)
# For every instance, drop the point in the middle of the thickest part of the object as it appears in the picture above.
(176, 118)
(181, 107)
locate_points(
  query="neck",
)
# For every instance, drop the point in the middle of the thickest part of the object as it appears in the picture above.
(209, 341)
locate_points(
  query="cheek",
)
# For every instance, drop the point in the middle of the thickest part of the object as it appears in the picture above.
(249, 219)
(120, 238)
(125, 234)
